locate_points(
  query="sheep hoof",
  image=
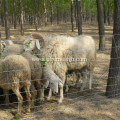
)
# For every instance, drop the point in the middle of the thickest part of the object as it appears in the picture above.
(60, 101)
(28, 110)
(42, 99)
(48, 98)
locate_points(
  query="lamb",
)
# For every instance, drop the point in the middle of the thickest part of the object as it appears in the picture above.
(36, 76)
(5, 43)
(80, 50)
(2, 45)
(15, 73)
(12, 49)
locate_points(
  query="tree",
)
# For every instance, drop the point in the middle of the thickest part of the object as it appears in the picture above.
(113, 84)
(79, 17)
(72, 16)
(45, 12)
(108, 12)
(15, 22)
(7, 31)
(51, 12)
(21, 17)
(101, 24)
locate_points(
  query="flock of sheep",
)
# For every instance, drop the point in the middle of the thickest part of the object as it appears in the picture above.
(44, 61)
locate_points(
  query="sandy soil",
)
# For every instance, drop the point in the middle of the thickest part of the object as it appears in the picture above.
(77, 105)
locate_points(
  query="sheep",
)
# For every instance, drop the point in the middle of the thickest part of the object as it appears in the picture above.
(36, 76)
(13, 49)
(81, 48)
(5, 43)
(2, 45)
(15, 73)
(8, 42)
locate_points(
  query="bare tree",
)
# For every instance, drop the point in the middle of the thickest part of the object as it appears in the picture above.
(21, 17)
(36, 16)
(45, 12)
(108, 12)
(1, 12)
(72, 16)
(51, 12)
(57, 13)
(79, 17)
(7, 31)
(15, 21)
(101, 25)
(113, 84)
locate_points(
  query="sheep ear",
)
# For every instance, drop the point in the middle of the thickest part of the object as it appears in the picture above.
(37, 44)
(38, 36)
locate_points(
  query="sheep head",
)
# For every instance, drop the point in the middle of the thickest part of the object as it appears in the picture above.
(3, 45)
(34, 41)
(53, 79)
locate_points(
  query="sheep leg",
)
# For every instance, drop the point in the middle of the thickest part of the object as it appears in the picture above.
(90, 81)
(6, 93)
(77, 82)
(28, 95)
(84, 74)
(49, 94)
(66, 85)
(34, 93)
(20, 98)
(42, 93)
(61, 93)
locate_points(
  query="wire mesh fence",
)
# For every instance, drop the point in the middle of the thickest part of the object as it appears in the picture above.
(74, 97)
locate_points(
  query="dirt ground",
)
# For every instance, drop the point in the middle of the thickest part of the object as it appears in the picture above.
(77, 105)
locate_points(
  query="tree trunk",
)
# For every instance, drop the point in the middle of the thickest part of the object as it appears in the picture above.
(79, 17)
(113, 84)
(51, 12)
(101, 25)
(45, 12)
(108, 12)
(104, 12)
(21, 17)
(7, 31)
(15, 22)
(1, 12)
(57, 14)
(72, 16)
(76, 14)
(36, 16)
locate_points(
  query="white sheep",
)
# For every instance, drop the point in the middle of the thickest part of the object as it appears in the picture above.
(36, 76)
(74, 53)
(15, 73)
(12, 49)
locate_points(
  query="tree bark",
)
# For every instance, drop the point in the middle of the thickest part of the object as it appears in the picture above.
(36, 16)
(113, 84)
(79, 17)
(72, 16)
(104, 12)
(21, 17)
(7, 29)
(101, 25)
(51, 12)
(108, 12)
(1, 12)
(15, 21)
(45, 12)
(57, 14)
